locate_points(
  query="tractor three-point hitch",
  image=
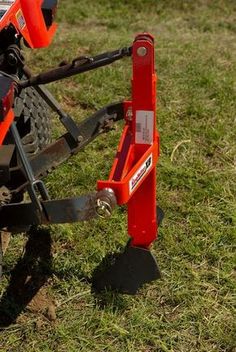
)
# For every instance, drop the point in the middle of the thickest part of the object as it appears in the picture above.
(27, 155)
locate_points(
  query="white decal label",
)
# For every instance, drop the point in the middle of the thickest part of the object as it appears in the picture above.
(144, 127)
(5, 6)
(20, 19)
(140, 173)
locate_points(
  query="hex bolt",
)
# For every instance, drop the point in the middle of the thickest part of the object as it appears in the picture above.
(142, 51)
(129, 114)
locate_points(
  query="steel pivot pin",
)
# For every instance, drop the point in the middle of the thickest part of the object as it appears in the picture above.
(142, 51)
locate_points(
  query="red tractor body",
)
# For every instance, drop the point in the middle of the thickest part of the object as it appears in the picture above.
(34, 20)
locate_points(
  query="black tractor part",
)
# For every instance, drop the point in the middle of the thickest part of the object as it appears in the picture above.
(33, 121)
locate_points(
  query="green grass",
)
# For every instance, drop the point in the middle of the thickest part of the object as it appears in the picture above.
(193, 307)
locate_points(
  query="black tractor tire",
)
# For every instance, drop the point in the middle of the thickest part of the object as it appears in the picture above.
(32, 120)
(32, 116)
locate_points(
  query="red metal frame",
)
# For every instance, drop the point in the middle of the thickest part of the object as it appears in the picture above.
(8, 114)
(133, 174)
(27, 18)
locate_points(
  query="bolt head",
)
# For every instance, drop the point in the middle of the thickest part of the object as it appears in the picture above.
(80, 139)
(129, 114)
(142, 51)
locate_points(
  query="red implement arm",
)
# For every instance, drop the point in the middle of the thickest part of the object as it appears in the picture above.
(133, 175)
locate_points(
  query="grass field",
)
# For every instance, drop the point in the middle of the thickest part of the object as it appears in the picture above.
(192, 308)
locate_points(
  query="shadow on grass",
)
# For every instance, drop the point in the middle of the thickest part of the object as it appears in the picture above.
(111, 301)
(28, 276)
(107, 299)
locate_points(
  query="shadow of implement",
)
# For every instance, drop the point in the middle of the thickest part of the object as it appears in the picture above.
(127, 271)
(27, 277)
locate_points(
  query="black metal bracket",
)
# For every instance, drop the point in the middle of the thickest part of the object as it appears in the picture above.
(18, 215)
(65, 119)
(58, 211)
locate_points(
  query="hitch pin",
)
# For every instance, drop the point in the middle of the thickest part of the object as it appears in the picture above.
(105, 202)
